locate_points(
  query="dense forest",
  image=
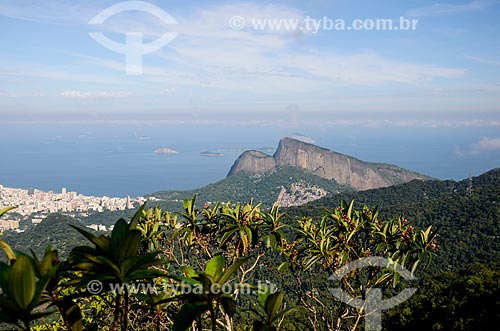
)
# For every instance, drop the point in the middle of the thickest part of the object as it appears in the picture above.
(244, 186)
(466, 214)
(458, 290)
(221, 267)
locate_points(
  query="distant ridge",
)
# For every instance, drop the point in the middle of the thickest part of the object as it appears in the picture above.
(344, 169)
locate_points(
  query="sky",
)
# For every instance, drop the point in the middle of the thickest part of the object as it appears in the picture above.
(446, 71)
(415, 83)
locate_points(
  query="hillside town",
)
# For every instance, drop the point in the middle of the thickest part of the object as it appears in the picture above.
(37, 204)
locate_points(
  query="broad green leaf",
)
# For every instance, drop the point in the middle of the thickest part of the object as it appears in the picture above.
(140, 261)
(137, 217)
(190, 272)
(129, 245)
(22, 282)
(349, 212)
(41, 284)
(227, 235)
(249, 234)
(120, 231)
(263, 293)
(49, 259)
(273, 304)
(214, 267)
(231, 270)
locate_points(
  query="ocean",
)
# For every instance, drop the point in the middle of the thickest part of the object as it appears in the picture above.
(119, 160)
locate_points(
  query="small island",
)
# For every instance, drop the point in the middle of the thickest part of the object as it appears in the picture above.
(229, 150)
(164, 150)
(212, 153)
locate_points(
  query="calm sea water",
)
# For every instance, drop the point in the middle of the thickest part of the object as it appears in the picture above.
(120, 160)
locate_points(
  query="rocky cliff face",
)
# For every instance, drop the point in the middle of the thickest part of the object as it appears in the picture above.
(324, 163)
(254, 162)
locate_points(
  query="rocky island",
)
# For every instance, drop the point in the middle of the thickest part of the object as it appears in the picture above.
(164, 150)
(212, 153)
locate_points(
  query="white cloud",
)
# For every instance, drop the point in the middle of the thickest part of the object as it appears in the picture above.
(208, 57)
(207, 53)
(482, 60)
(278, 57)
(486, 145)
(449, 8)
(95, 94)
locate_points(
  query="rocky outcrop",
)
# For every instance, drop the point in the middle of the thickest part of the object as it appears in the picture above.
(299, 193)
(325, 163)
(254, 162)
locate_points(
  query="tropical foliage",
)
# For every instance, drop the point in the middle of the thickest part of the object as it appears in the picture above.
(220, 267)
(342, 236)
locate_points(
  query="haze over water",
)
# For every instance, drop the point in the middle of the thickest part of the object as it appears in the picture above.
(119, 160)
(425, 98)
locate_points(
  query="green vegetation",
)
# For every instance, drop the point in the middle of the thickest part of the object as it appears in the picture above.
(466, 300)
(466, 214)
(204, 269)
(242, 186)
(459, 290)
(55, 231)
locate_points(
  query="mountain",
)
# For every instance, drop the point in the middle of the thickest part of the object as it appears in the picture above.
(288, 186)
(345, 170)
(253, 162)
(297, 173)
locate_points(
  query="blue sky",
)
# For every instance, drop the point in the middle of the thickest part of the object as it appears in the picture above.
(450, 65)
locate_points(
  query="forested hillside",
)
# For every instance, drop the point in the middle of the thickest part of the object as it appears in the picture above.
(243, 186)
(458, 291)
(466, 214)
(55, 230)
